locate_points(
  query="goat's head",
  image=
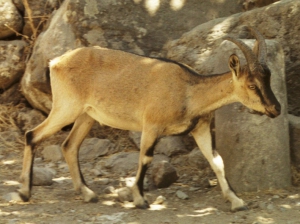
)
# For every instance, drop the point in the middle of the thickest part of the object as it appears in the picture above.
(252, 81)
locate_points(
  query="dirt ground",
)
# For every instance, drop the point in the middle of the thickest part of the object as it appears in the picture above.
(59, 204)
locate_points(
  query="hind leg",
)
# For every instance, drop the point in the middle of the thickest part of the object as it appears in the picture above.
(51, 125)
(70, 150)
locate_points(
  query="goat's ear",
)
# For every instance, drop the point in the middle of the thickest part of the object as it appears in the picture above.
(234, 65)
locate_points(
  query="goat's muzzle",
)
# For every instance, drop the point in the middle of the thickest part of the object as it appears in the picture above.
(273, 111)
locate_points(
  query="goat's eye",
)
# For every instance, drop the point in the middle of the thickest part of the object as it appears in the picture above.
(252, 87)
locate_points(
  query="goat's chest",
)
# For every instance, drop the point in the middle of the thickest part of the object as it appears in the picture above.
(182, 127)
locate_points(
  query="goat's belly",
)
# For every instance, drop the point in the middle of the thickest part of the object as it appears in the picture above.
(114, 119)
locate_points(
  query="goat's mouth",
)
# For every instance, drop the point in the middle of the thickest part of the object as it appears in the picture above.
(267, 112)
(251, 111)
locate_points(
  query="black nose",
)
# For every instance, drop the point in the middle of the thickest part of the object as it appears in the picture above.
(278, 108)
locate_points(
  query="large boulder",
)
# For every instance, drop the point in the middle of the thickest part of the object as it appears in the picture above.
(294, 140)
(135, 26)
(10, 19)
(12, 63)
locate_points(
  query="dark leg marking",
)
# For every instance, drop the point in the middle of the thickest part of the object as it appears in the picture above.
(140, 181)
(29, 137)
(31, 171)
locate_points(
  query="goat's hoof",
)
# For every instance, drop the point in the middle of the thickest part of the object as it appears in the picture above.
(91, 198)
(143, 206)
(23, 196)
(240, 208)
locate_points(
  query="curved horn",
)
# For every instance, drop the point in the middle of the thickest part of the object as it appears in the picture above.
(250, 56)
(262, 47)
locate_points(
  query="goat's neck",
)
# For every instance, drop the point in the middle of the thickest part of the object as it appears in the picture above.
(213, 92)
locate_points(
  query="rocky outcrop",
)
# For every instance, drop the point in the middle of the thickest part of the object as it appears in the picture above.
(12, 63)
(10, 19)
(294, 140)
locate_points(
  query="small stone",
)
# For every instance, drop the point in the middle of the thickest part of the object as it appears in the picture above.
(42, 176)
(12, 196)
(96, 172)
(125, 194)
(103, 181)
(180, 194)
(109, 190)
(52, 153)
(270, 207)
(159, 200)
(164, 174)
(194, 188)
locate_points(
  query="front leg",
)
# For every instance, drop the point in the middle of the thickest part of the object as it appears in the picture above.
(148, 141)
(203, 138)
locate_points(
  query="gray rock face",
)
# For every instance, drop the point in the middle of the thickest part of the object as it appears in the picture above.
(170, 146)
(12, 63)
(94, 147)
(123, 162)
(197, 159)
(42, 176)
(295, 140)
(52, 153)
(10, 17)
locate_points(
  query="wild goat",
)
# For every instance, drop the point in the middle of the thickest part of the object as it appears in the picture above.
(156, 96)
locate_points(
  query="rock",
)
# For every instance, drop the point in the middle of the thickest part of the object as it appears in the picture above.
(27, 119)
(124, 194)
(10, 19)
(135, 137)
(159, 158)
(42, 176)
(180, 194)
(123, 162)
(12, 64)
(197, 159)
(170, 146)
(92, 148)
(163, 174)
(110, 219)
(252, 4)
(12, 196)
(110, 24)
(109, 190)
(159, 200)
(39, 12)
(12, 95)
(103, 181)
(294, 124)
(9, 136)
(52, 153)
